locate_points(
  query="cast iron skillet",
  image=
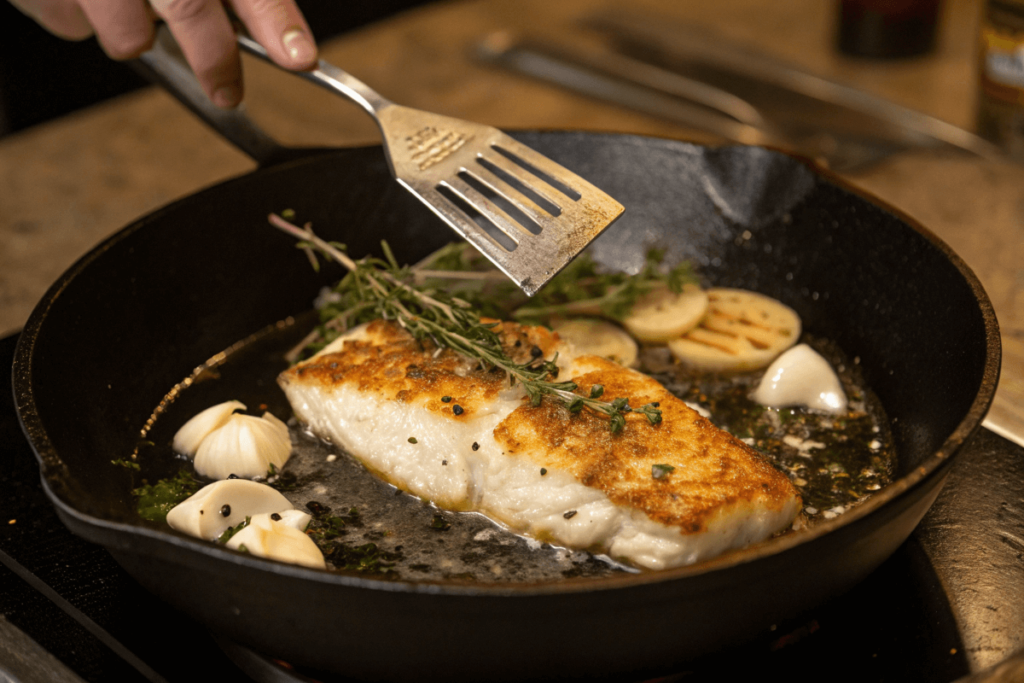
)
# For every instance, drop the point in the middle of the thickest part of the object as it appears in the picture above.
(134, 317)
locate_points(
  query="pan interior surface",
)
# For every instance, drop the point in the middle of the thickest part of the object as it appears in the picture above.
(139, 313)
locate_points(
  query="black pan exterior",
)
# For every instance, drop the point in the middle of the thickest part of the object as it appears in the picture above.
(137, 314)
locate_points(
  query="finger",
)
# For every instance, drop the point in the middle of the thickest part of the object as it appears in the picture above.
(204, 33)
(278, 25)
(123, 27)
(62, 18)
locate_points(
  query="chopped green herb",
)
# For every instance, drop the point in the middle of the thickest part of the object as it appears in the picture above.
(285, 481)
(365, 559)
(228, 533)
(440, 523)
(412, 439)
(156, 500)
(127, 464)
(446, 399)
(661, 471)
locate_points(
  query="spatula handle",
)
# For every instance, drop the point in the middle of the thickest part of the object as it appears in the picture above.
(328, 77)
(165, 66)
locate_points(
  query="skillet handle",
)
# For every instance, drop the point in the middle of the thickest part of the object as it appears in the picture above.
(165, 66)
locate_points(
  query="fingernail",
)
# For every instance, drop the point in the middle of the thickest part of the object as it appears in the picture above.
(227, 96)
(300, 48)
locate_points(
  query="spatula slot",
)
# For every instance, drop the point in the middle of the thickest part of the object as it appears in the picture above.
(474, 216)
(504, 204)
(536, 197)
(546, 177)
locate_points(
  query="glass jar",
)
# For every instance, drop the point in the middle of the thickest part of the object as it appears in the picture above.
(1000, 116)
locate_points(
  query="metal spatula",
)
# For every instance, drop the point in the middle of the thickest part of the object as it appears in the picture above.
(524, 212)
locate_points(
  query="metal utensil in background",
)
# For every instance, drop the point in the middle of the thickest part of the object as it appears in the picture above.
(675, 72)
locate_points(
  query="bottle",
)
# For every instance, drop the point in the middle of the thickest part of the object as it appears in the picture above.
(887, 29)
(1000, 113)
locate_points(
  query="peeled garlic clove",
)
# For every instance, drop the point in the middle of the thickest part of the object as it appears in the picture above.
(245, 446)
(277, 540)
(215, 508)
(296, 519)
(191, 435)
(801, 377)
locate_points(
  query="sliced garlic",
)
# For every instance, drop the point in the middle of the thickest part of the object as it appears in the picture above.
(216, 507)
(189, 437)
(801, 377)
(661, 314)
(741, 331)
(224, 442)
(600, 338)
(277, 540)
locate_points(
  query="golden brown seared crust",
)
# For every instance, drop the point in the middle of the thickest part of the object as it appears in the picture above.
(393, 365)
(714, 471)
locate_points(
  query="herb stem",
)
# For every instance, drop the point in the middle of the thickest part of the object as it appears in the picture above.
(378, 285)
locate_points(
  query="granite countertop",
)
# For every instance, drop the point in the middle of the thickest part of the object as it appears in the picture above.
(70, 183)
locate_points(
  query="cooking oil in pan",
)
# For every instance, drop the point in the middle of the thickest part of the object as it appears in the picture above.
(367, 526)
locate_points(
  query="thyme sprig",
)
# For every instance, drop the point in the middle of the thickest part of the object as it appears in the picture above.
(380, 288)
(582, 288)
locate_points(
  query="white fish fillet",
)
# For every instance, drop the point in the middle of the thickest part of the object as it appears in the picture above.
(539, 470)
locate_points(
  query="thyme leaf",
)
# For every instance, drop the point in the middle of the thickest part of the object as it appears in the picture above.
(231, 531)
(661, 471)
(380, 288)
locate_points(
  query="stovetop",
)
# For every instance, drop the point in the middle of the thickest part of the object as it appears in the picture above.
(949, 601)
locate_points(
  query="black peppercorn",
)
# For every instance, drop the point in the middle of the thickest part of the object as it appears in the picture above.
(225, 510)
(457, 409)
(276, 517)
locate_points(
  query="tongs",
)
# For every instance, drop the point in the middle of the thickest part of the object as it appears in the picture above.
(527, 214)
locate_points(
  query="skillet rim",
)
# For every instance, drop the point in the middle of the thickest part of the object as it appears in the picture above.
(43, 448)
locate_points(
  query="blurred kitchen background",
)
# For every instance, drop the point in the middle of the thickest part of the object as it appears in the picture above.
(43, 77)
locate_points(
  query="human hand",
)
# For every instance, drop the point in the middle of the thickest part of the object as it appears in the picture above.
(125, 29)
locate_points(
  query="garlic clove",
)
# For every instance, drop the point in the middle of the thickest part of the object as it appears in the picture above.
(801, 377)
(215, 508)
(245, 446)
(192, 433)
(277, 540)
(296, 519)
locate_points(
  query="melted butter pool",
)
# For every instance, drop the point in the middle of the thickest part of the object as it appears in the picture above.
(367, 526)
